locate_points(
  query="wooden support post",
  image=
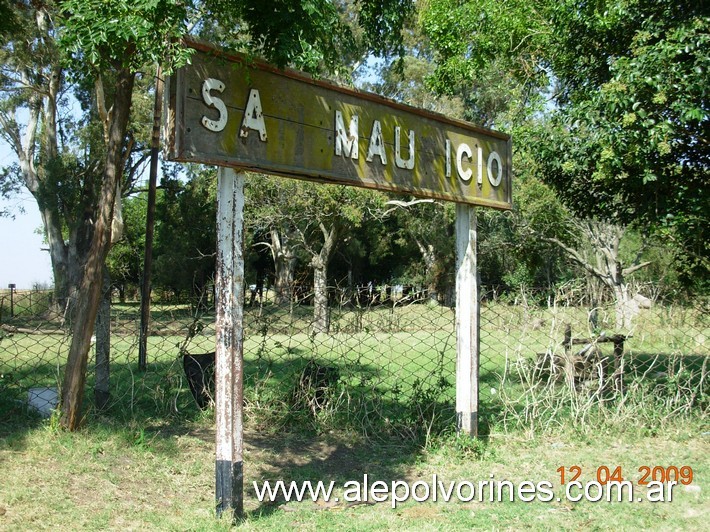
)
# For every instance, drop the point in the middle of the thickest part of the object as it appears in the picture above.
(150, 222)
(229, 481)
(467, 322)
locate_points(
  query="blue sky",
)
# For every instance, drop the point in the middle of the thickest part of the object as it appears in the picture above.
(22, 260)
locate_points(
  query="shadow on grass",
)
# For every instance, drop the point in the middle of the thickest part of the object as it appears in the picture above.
(334, 458)
(665, 365)
(282, 442)
(159, 399)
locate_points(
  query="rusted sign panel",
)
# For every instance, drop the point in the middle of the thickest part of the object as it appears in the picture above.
(226, 110)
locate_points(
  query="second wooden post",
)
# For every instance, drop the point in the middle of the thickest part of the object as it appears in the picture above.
(467, 321)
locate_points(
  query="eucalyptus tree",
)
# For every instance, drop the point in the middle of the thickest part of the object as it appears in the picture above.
(31, 84)
(271, 211)
(108, 44)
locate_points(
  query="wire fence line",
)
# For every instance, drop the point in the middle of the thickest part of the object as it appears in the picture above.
(385, 364)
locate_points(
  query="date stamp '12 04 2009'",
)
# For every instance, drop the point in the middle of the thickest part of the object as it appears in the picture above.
(604, 474)
(659, 481)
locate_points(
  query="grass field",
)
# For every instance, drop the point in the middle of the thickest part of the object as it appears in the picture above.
(148, 460)
(154, 474)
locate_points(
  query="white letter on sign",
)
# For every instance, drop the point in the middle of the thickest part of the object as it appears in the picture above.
(495, 181)
(253, 116)
(377, 144)
(212, 101)
(479, 164)
(463, 149)
(401, 163)
(348, 141)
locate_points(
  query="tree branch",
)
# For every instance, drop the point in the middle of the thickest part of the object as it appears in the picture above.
(576, 257)
(10, 132)
(636, 267)
(403, 205)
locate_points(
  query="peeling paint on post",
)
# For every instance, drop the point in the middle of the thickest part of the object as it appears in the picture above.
(229, 479)
(468, 315)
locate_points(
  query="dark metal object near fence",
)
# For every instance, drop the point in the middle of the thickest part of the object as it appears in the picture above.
(199, 371)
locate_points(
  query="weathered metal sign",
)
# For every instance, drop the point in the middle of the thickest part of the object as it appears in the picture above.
(226, 110)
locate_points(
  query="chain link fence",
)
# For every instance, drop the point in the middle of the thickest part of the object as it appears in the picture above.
(384, 366)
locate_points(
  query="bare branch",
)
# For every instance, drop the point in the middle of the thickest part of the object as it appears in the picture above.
(265, 244)
(577, 257)
(397, 204)
(636, 267)
(201, 255)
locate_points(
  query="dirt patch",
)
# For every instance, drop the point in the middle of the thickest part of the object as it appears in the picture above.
(289, 456)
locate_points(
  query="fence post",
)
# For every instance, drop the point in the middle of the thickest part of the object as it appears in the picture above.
(11, 286)
(467, 321)
(229, 488)
(150, 223)
(102, 391)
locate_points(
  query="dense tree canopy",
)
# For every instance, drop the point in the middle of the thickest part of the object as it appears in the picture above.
(623, 136)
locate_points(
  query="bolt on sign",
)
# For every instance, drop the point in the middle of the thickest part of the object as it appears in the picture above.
(227, 110)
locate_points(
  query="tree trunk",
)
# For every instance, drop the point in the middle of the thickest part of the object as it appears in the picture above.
(91, 284)
(284, 266)
(59, 257)
(623, 308)
(321, 318)
(319, 263)
(103, 345)
(429, 257)
(604, 239)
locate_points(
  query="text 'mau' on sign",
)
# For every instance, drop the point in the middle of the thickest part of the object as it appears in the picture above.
(226, 110)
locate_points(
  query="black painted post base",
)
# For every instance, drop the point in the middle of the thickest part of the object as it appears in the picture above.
(229, 492)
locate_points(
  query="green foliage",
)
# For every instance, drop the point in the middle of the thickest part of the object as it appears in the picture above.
(307, 34)
(125, 260)
(312, 35)
(630, 139)
(477, 38)
(9, 22)
(119, 34)
(185, 231)
(383, 22)
(622, 140)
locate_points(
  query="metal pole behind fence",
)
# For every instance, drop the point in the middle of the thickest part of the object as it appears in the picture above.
(11, 286)
(149, 224)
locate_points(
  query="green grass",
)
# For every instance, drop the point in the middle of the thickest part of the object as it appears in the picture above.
(157, 474)
(147, 461)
